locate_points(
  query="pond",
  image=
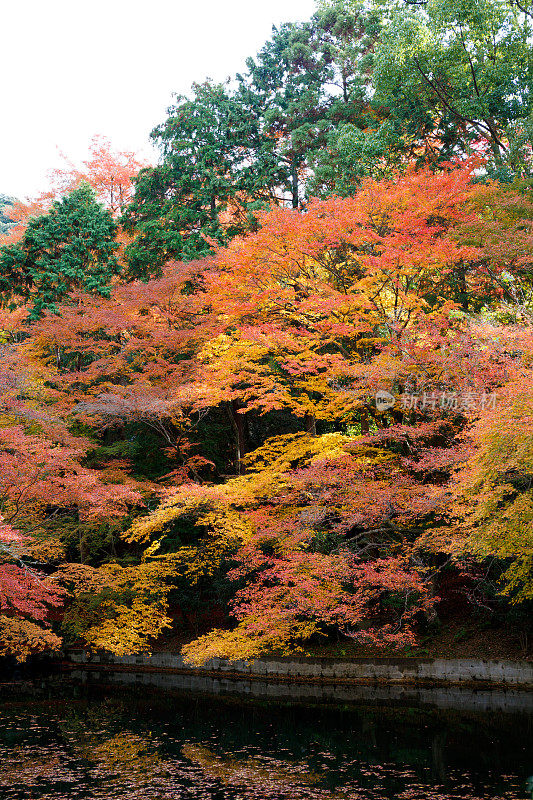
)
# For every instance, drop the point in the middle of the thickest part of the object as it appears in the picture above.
(64, 740)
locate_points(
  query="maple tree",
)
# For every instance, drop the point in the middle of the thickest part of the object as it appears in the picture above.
(310, 302)
(109, 172)
(42, 483)
(117, 608)
(204, 439)
(335, 527)
(500, 227)
(319, 532)
(26, 598)
(495, 484)
(295, 330)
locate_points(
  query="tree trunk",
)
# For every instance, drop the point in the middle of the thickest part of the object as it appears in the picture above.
(463, 291)
(397, 416)
(310, 424)
(294, 186)
(239, 429)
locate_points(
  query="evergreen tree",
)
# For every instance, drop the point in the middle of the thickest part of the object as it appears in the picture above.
(216, 169)
(71, 247)
(457, 75)
(5, 221)
(225, 153)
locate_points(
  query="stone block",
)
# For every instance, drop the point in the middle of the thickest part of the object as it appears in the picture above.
(258, 667)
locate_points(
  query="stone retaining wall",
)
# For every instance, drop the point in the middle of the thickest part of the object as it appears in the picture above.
(419, 671)
(517, 700)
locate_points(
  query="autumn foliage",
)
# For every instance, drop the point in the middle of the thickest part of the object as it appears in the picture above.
(211, 439)
(108, 172)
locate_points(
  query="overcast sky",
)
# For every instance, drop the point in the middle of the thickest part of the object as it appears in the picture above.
(75, 68)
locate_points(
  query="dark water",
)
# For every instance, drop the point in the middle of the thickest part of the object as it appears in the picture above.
(67, 742)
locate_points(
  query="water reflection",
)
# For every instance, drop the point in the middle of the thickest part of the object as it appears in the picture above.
(82, 744)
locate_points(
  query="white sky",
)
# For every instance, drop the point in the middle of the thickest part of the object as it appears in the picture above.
(76, 68)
